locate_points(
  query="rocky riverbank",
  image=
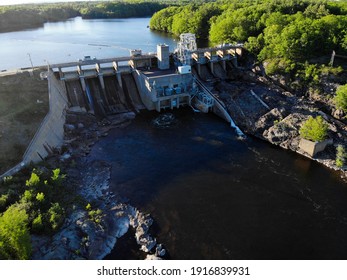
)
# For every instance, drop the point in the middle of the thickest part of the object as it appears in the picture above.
(267, 111)
(98, 218)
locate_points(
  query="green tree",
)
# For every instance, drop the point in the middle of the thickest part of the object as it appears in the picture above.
(317, 10)
(341, 98)
(314, 129)
(162, 20)
(14, 234)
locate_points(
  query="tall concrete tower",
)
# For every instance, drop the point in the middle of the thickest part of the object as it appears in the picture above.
(185, 47)
(163, 56)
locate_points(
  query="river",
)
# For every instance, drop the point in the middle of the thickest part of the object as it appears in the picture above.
(212, 196)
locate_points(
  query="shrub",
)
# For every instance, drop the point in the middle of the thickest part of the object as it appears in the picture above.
(37, 224)
(57, 177)
(40, 197)
(314, 129)
(28, 196)
(7, 199)
(340, 156)
(3, 202)
(56, 215)
(94, 215)
(33, 181)
(14, 234)
(341, 98)
(88, 207)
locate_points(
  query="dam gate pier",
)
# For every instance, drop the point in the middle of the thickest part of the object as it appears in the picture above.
(158, 81)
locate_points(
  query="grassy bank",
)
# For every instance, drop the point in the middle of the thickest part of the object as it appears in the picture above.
(24, 104)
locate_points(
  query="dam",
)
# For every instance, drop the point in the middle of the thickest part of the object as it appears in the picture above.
(141, 81)
(158, 81)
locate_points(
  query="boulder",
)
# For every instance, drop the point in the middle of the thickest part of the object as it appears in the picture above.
(338, 114)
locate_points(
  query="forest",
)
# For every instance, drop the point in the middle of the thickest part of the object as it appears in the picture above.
(288, 37)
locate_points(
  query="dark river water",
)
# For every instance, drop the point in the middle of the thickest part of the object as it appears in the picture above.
(213, 196)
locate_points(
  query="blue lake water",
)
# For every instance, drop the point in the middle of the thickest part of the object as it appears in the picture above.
(75, 38)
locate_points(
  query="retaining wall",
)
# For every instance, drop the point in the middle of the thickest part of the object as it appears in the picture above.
(50, 134)
(51, 131)
(312, 148)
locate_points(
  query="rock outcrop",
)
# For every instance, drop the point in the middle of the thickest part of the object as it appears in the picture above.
(84, 236)
(276, 115)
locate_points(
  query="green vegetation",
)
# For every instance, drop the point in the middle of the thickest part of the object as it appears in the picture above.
(288, 36)
(341, 156)
(193, 18)
(37, 206)
(314, 129)
(14, 233)
(341, 98)
(94, 214)
(122, 9)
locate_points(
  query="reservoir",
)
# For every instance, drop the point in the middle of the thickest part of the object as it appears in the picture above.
(71, 40)
(211, 195)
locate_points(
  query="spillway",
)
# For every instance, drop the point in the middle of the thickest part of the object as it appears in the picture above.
(105, 96)
(118, 102)
(218, 71)
(93, 88)
(76, 95)
(205, 73)
(130, 89)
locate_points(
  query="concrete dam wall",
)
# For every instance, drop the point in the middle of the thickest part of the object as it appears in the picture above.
(104, 95)
(51, 132)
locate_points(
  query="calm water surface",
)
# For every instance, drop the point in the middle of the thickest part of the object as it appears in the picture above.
(215, 197)
(73, 39)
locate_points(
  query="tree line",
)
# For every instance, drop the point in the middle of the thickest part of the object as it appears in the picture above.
(296, 28)
(19, 17)
(285, 35)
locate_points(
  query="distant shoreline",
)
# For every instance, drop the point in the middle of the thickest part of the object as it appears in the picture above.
(21, 17)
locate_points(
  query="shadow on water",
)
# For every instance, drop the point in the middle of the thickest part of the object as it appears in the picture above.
(215, 197)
